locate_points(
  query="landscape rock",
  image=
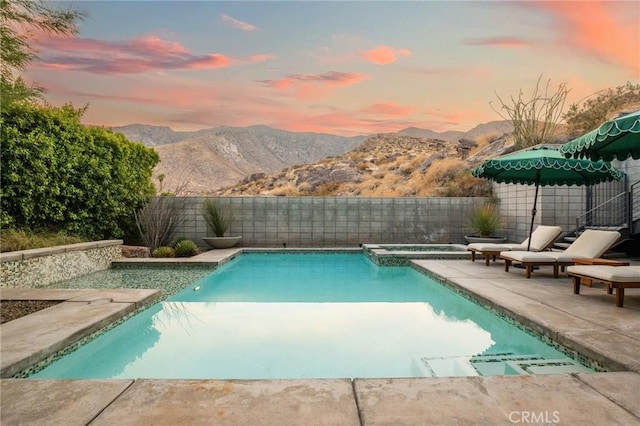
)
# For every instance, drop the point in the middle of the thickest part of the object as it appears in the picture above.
(135, 251)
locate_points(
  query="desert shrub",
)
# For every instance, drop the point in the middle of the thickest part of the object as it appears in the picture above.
(158, 219)
(285, 191)
(599, 107)
(62, 175)
(163, 251)
(444, 170)
(173, 243)
(305, 188)
(326, 189)
(485, 220)
(463, 184)
(216, 217)
(19, 239)
(185, 248)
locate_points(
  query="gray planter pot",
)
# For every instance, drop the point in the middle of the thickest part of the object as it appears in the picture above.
(472, 239)
(222, 242)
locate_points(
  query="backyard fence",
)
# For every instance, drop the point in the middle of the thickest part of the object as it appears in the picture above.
(335, 221)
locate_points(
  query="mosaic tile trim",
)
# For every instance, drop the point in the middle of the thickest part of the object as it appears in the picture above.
(41, 365)
(541, 333)
(41, 271)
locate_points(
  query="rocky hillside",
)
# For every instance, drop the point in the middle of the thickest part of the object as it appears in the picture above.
(206, 160)
(385, 165)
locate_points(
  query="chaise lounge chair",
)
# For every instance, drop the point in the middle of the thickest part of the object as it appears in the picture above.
(618, 277)
(541, 238)
(590, 244)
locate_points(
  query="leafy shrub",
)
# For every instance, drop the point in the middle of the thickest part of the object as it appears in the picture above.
(19, 239)
(59, 174)
(185, 248)
(163, 251)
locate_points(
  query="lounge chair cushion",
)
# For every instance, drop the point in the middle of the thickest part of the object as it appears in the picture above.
(618, 274)
(590, 244)
(541, 238)
(530, 257)
(495, 247)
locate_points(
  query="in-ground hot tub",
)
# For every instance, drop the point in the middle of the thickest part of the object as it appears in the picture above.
(401, 254)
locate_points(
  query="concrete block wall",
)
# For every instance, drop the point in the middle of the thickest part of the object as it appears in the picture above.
(336, 221)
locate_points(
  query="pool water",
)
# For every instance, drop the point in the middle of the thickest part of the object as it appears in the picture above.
(311, 316)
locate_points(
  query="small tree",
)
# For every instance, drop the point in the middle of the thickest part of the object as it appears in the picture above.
(17, 18)
(534, 120)
(158, 220)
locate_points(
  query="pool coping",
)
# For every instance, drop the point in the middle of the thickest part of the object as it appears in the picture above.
(381, 256)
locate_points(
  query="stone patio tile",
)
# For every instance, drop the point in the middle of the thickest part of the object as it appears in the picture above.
(550, 399)
(56, 402)
(234, 402)
(621, 388)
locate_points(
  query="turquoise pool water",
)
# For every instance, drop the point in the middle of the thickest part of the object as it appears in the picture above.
(311, 316)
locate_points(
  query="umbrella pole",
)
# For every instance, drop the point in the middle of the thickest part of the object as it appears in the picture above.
(533, 210)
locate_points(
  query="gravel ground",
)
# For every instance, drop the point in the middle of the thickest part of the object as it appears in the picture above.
(14, 309)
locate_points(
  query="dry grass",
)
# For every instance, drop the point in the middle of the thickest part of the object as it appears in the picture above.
(444, 170)
(17, 239)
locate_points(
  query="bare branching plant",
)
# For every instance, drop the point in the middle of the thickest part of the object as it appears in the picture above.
(535, 120)
(158, 219)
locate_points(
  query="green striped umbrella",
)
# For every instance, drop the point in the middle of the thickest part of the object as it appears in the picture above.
(543, 165)
(618, 138)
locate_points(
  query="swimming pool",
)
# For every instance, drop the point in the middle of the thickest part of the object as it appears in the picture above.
(311, 316)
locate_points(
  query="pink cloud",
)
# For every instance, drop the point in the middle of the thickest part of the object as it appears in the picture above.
(260, 58)
(388, 108)
(240, 25)
(122, 57)
(505, 42)
(314, 86)
(596, 31)
(384, 55)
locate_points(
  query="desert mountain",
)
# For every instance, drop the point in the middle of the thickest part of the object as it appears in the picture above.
(203, 161)
(385, 165)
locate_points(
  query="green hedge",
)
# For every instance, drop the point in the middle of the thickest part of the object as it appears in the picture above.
(59, 174)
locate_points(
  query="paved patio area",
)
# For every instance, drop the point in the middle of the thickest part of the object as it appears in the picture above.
(589, 322)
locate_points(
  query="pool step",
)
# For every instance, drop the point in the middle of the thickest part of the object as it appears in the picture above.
(497, 364)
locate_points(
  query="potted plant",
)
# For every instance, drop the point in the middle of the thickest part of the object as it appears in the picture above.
(218, 220)
(485, 221)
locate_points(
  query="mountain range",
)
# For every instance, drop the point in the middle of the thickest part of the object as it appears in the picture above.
(205, 161)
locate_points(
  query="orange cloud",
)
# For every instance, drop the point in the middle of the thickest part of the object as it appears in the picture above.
(595, 30)
(388, 108)
(384, 55)
(240, 25)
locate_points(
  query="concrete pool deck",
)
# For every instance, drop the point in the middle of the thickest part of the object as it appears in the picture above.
(589, 322)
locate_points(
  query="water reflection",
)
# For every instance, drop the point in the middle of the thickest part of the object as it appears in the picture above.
(276, 340)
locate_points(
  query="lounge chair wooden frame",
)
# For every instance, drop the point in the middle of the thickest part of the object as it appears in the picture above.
(587, 280)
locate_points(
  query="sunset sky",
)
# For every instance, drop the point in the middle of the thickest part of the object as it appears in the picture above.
(338, 67)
